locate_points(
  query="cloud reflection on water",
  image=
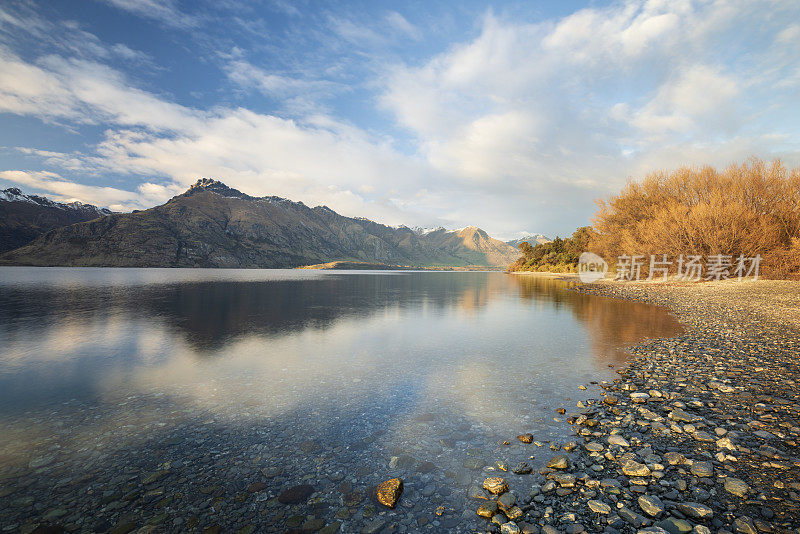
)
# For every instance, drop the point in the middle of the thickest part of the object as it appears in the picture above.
(319, 351)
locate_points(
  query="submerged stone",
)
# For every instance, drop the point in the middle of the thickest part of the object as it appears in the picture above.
(495, 485)
(559, 462)
(296, 494)
(389, 492)
(487, 509)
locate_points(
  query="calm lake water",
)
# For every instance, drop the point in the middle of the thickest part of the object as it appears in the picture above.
(193, 398)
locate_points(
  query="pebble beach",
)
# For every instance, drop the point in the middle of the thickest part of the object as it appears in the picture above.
(698, 434)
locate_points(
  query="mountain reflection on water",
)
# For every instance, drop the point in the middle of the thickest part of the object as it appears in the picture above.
(210, 313)
(367, 364)
(611, 324)
(66, 340)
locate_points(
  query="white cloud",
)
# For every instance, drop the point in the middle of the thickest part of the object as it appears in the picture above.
(286, 7)
(319, 161)
(129, 54)
(789, 35)
(74, 161)
(491, 147)
(401, 24)
(520, 127)
(356, 34)
(699, 99)
(578, 105)
(21, 23)
(276, 85)
(164, 11)
(66, 190)
(82, 91)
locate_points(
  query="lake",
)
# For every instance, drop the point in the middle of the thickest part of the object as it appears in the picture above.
(190, 399)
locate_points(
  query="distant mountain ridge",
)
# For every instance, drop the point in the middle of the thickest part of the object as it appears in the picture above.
(533, 239)
(213, 225)
(23, 217)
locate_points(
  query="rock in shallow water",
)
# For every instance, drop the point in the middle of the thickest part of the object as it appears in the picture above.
(476, 492)
(496, 485)
(559, 462)
(675, 458)
(389, 492)
(616, 439)
(296, 494)
(507, 500)
(744, 525)
(522, 469)
(487, 509)
(682, 417)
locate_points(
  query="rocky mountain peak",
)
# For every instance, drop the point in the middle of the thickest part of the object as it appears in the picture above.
(474, 232)
(421, 231)
(215, 186)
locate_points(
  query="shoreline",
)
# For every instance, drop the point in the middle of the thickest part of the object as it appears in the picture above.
(568, 277)
(700, 432)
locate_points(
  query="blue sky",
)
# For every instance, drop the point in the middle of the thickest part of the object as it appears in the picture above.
(512, 116)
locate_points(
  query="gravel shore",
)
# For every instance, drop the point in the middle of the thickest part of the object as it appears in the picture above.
(699, 433)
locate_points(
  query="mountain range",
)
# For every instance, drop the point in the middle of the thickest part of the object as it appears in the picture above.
(23, 217)
(213, 225)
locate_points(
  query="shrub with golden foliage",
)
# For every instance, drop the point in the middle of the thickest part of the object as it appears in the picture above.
(752, 208)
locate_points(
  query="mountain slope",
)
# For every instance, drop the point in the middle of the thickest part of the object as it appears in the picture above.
(212, 225)
(23, 218)
(474, 243)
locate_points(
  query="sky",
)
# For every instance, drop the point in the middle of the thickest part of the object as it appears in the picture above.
(511, 116)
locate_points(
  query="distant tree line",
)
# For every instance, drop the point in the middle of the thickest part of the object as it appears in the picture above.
(559, 255)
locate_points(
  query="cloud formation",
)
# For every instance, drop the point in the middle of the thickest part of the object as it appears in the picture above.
(517, 127)
(165, 12)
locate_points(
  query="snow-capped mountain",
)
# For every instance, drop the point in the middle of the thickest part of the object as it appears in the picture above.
(23, 217)
(213, 225)
(533, 239)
